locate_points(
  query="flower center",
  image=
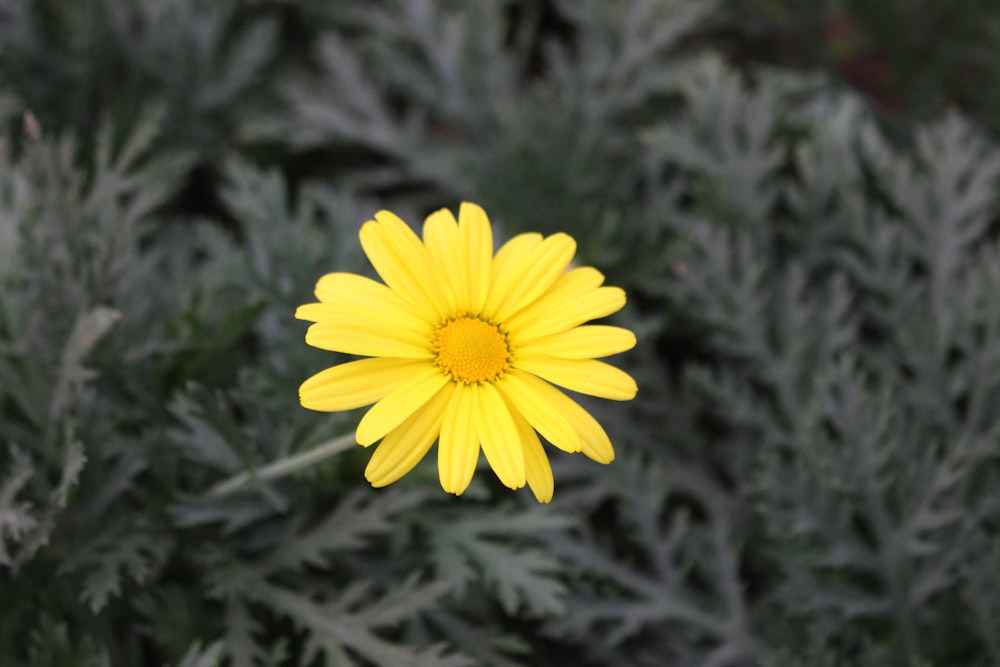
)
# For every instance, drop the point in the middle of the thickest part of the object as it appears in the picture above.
(471, 350)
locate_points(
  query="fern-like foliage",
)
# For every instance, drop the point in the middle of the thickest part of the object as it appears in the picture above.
(659, 569)
(342, 616)
(472, 549)
(847, 396)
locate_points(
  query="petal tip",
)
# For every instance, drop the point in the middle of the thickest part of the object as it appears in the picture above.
(631, 340)
(376, 482)
(601, 456)
(544, 498)
(631, 391)
(364, 437)
(388, 217)
(302, 312)
(467, 208)
(453, 487)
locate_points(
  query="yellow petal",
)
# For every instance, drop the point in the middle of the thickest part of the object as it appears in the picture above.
(446, 253)
(536, 463)
(529, 401)
(532, 274)
(586, 376)
(314, 312)
(498, 436)
(341, 289)
(405, 399)
(402, 262)
(408, 326)
(550, 315)
(368, 337)
(407, 444)
(586, 342)
(594, 442)
(477, 243)
(516, 247)
(458, 447)
(569, 287)
(356, 383)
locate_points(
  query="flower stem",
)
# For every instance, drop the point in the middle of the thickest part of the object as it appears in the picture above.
(283, 467)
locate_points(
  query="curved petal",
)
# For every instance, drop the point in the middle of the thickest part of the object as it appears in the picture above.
(516, 247)
(356, 383)
(477, 243)
(398, 321)
(403, 263)
(594, 442)
(446, 253)
(529, 275)
(529, 401)
(550, 315)
(458, 447)
(368, 338)
(498, 436)
(587, 342)
(315, 312)
(342, 289)
(405, 399)
(409, 442)
(536, 462)
(586, 376)
(569, 287)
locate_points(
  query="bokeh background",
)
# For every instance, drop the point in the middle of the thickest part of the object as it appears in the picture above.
(799, 196)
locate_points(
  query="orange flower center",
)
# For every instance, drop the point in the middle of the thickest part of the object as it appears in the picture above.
(471, 350)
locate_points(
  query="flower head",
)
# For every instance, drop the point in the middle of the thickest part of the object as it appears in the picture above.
(463, 347)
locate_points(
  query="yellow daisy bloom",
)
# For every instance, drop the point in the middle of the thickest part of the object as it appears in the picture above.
(464, 348)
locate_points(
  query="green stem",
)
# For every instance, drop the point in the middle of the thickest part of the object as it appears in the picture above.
(283, 467)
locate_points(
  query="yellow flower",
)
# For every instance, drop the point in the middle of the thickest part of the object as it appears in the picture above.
(464, 348)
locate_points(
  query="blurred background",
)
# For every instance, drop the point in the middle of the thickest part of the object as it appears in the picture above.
(800, 198)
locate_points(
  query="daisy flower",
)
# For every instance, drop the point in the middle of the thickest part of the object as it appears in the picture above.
(466, 348)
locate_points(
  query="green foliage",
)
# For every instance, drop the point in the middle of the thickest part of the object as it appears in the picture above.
(838, 286)
(495, 550)
(880, 49)
(197, 61)
(49, 644)
(807, 477)
(651, 582)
